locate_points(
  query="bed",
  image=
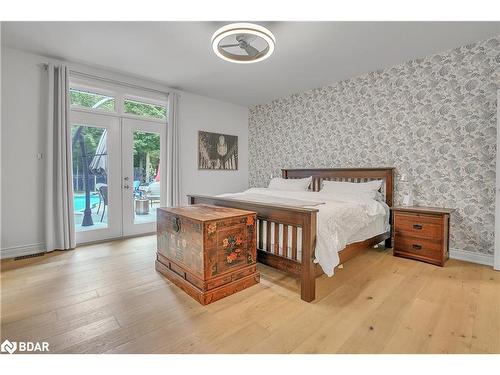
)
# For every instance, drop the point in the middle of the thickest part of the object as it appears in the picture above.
(287, 234)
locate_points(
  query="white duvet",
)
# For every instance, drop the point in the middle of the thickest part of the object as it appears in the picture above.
(339, 217)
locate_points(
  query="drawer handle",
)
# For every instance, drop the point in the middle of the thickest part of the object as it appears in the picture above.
(416, 246)
(417, 226)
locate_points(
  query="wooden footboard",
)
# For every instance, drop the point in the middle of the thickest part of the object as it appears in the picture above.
(278, 238)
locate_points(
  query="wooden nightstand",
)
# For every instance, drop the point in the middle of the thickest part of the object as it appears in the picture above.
(422, 233)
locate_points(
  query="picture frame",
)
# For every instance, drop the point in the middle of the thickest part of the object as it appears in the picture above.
(217, 151)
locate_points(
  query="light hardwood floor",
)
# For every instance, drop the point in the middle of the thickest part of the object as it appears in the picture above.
(107, 298)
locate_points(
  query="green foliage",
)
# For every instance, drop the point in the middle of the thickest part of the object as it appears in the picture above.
(145, 110)
(146, 145)
(91, 100)
(107, 103)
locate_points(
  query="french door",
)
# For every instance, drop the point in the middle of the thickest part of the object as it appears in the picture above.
(116, 175)
(142, 142)
(97, 191)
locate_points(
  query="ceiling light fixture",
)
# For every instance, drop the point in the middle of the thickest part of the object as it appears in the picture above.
(243, 43)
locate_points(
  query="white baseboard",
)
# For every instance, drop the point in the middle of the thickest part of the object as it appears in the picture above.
(17, 251)
(467, 256)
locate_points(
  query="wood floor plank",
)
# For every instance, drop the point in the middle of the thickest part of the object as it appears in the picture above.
(107, 298)
(374, 331)
(351, 305)
(112, 339)
(414, 329)
(61, 341)
(486, 326)
(453, 331)
(24, 311)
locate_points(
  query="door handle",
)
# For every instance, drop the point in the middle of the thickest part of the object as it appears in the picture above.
(417, 247)
(417, 226)
(177, 224)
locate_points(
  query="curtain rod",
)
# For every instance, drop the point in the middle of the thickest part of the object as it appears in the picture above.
(116, 82)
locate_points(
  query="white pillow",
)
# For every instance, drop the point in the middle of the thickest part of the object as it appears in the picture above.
(295, 184)
(368, 189)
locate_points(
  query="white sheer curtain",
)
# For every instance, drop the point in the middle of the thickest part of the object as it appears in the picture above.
(173, 172)
(59, 219)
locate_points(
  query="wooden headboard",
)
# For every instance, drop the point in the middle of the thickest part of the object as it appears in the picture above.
(348, 175)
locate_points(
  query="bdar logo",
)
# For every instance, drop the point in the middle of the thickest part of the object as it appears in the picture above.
(24, 346)
(8, 346)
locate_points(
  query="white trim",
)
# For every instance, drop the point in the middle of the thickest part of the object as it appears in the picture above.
(17, 251)
(146, 100)
(116, 114)
(496, 262)
(37, 248)
(87, 87)
(96, 242)
(119, 85)
(468, 256)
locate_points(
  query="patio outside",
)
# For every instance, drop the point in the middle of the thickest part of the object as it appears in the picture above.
(90, 177)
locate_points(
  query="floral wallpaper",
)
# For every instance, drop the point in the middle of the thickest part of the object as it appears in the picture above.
(433, 118)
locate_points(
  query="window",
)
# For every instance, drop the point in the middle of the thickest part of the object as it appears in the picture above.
(145, 109)
(86, 99)
(117, 100)
(90, 177)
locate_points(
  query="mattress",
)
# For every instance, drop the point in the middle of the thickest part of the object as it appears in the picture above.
(341, 219)
(378, 226)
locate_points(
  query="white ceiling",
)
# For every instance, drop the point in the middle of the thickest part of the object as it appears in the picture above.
(179, 54)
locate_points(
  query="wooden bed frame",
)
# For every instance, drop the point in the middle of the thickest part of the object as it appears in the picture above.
(292, 218)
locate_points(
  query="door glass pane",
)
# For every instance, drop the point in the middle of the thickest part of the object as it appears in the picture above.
(91, 100)
(145, 109)
(90, 177)
(146, 185)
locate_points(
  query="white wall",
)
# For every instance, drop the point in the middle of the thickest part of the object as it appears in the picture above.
(22, 174)
(201, 113)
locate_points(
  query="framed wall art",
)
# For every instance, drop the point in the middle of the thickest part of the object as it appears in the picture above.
(217, 151)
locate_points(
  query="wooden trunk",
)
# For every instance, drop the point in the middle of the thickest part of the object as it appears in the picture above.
(208, 251)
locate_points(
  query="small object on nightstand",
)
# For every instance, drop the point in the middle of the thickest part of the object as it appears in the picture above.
(408, 196)
(422, 233)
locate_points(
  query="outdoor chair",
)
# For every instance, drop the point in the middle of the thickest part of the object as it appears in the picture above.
(103, 194)
(153, 192)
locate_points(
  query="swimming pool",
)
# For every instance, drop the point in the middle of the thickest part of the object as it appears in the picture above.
(79, 202)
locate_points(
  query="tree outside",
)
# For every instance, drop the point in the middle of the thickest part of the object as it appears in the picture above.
(146, 145)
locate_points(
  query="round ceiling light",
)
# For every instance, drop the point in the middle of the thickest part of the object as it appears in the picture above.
(243, 43)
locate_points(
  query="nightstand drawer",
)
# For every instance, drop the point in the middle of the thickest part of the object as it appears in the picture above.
(418, 246)
(418, 226)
